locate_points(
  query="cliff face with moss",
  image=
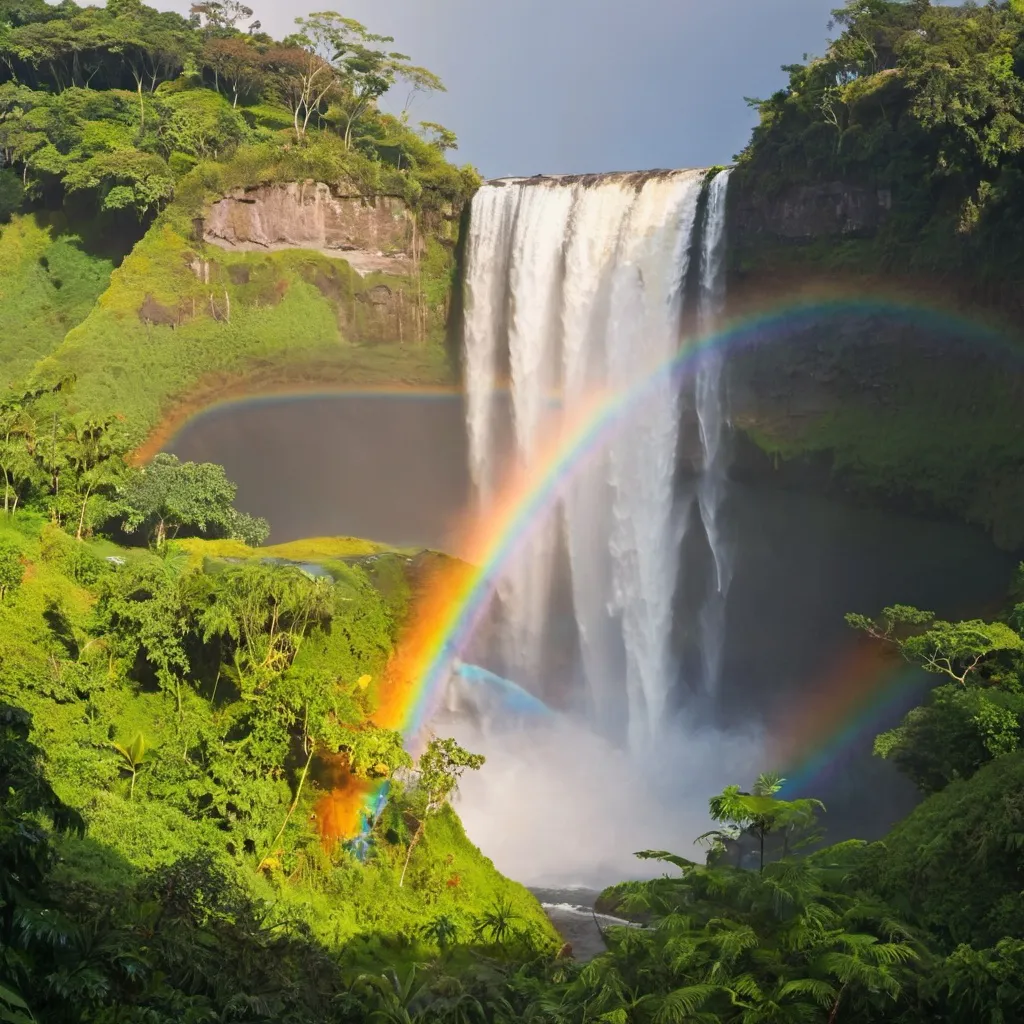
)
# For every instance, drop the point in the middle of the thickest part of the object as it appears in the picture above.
(875, 383)
(258, 287)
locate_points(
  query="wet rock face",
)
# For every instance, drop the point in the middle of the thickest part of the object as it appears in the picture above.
(804, 212)
(371, 234)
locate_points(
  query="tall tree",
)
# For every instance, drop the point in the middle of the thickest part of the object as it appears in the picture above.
(303, 79)
(97, 457)
(168, 496)
(366, 71)
(236, 62)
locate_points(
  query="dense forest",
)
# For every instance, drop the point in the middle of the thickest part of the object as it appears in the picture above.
(924, 102)
(186, 716)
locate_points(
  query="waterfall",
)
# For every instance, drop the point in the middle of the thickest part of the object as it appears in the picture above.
(580, 284)
(709, 401)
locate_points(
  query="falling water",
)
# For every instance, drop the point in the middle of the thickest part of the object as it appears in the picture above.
(581, 283)
(709, 401)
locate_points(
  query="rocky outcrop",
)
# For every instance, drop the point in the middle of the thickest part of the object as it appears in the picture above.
(373, 234)
(806, 212)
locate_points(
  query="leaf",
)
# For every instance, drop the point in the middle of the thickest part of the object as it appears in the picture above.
(12, 998)
(668, 858)
(681, 1005)
(364, 681)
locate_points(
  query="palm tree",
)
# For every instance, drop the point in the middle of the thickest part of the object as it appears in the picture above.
(497, 921)
(133, 758)
(443, 930)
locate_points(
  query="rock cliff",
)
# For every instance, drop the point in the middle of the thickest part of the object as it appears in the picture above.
(807, 212)
(373, 235)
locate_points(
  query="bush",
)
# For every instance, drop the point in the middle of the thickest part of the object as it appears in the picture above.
(954, 866)
(11, 195)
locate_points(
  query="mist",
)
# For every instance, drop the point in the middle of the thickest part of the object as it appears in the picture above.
(559, 806)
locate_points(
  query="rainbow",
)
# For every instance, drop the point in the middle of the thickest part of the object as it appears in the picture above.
(450, 610)
(869, 685)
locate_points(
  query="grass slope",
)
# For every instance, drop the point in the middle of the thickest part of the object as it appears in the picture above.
(160, 331)
(48, 285)
(79, 713)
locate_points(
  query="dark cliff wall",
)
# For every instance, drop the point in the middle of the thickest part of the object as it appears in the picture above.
(869, 381)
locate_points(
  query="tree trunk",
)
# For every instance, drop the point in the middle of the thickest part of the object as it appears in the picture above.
(291, 810)
(835, 1006)
(408, 857)
(81, 518)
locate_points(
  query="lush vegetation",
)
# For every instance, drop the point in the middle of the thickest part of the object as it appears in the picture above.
(181, 849)
(926, 102)
(915, 114)
(122, 123)
(187, 733)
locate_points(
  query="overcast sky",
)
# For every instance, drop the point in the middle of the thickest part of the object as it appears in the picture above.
(587, 85)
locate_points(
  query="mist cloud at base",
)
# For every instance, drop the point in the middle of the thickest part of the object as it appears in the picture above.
(557, 806)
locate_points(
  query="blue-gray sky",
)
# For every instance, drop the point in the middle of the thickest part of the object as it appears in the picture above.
(588, 85)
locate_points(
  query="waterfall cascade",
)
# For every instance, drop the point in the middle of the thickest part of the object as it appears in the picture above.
(575, 284)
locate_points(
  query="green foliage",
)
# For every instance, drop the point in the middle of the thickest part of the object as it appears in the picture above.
(967, 722)
(924, 100)
(12, 193)
(168, 496)
(954, 649)
(12, 569)
(126, 116)
(50, 283)
(758, 814)
(956, 732)
(724, 945)
(954, 865)
(188, 703)
(441, 766)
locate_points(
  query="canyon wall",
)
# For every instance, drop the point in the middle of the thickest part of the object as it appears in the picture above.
(865, 380)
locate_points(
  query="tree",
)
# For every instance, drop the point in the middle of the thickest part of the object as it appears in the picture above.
(220, 17)
(12, 569)
(441, 766)
(236, 62)
(16, 463)
(168, 496)
(124, 180)
(303, 79)
(367, 71)
(202, 124)
(760, 814)
(153, 46)
(958, 730)
(146, 619)
(957, 649)
(263, 614)
(953, 649)
(441, 138)
(97, 457)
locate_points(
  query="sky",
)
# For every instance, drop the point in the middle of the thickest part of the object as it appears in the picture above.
(571, 86)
